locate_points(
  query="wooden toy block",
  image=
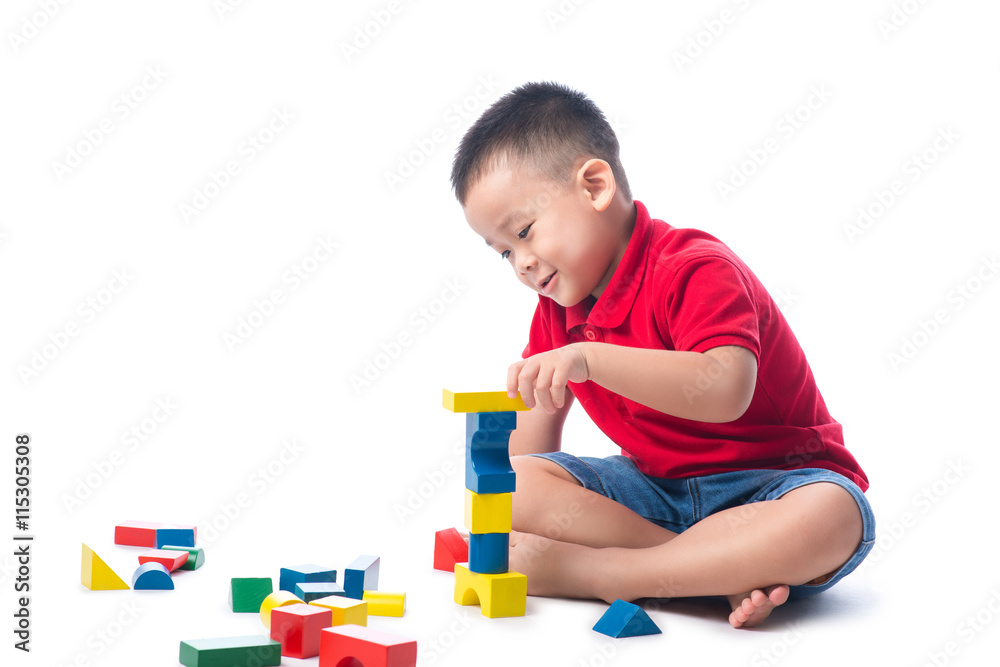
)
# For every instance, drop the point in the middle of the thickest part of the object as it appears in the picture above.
(489, 553)
(344, 609)
(624, 619)
(297, 627)
(195, 559)
(246, 594)
(381, 603)
(276, 599)
(311, 590)
(361, 576)
(300, 573)
(180, 535)
(498, 595)
(487, 461)
(97, 575)
(152, 577)
(449, 549)
(349, 645)
(172, 560)
(137, 533)
(488, 512)
(251, 651)
(481, 401)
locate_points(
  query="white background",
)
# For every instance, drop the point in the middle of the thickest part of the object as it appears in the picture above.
(376, 468)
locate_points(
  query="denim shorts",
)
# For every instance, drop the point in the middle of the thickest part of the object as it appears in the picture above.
(677, 504)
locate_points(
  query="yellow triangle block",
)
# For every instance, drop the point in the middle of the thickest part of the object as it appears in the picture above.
(96, 575)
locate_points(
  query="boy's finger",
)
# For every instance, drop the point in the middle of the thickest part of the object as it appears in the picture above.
(526, 385)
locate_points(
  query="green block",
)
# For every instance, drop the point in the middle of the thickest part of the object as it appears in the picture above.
(247, 593)
(250, 651)
(196, 556)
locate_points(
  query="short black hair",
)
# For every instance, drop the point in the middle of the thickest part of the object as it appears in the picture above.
(545, 126)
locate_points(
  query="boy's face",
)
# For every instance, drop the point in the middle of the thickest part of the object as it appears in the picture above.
(553, 235)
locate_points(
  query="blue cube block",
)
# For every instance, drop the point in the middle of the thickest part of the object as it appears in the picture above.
(307, 591)
(487, 461)
(290, 576)
(179, 537)
(489, 553)
(361, 576)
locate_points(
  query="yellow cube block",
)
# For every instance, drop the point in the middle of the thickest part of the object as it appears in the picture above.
(498, 595)
(481, 401)
(488, 512)
(381, 603)
(345, 610)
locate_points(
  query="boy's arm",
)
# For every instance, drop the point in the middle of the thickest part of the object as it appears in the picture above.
(539, 432)
(714, 386)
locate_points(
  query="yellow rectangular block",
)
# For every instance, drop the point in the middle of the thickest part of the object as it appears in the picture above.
(481, 401)
(381, 603)
(498, 595)
(488, 512)
(345, 610)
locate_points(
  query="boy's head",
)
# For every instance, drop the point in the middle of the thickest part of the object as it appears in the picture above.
(539, 178)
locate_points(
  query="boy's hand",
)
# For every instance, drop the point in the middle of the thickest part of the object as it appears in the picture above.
(542, 378)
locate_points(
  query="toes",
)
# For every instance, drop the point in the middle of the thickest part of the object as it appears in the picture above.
(778, 594)
(759, 598)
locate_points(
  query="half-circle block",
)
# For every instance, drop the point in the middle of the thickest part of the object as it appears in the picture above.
(275, 599)
(361, 576)
(624, 619)
(137, 533)
(487, 461)
(168, 558)
(481, 401)
(341, 645)
(311, 590)
(344, 610)
(96, 575)
(489, 552)
(252, 651)
(488, 512)
(247, 594)
(449, 549)
(381, 603)
(289, 576)
(297, 627)
(195, 559)
(498, 595)
(152, 577)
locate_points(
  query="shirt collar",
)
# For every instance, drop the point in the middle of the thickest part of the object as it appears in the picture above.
(616, 300)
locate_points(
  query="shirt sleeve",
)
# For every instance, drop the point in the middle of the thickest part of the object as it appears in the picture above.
(540, 335)
(710, 302)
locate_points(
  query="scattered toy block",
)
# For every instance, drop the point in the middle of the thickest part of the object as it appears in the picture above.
(361, 576)
(195, 559)
(276, 599)
(172, 560)
(489, 553)
(624, 619)
(353, 644)
(97, 575)
(481, 401)
(251, 651)
(182, 536)
(300, 573)
(381, 603)
(137, 533)
(297, 627)
(498, 595)
(246, 594)
(152, 577)
(488, 512)
(311, 590)
(344, 610)
(487, 461)
(449, 549)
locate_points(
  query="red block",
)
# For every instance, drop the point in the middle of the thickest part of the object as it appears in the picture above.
(298, 627)
(137, 533)
(171, 560)
(449, 548)
(342, 643)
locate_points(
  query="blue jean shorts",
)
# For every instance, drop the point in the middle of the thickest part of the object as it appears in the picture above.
(677, 504)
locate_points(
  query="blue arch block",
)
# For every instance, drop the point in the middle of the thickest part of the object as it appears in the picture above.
(152, 577)
(487, 461)
(489, 553)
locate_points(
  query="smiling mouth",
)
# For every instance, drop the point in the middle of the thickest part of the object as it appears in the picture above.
(546, 281)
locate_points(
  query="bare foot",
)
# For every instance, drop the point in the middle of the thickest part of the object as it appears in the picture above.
(750, 609)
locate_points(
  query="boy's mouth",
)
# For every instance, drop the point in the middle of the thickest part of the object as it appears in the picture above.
(546, 282)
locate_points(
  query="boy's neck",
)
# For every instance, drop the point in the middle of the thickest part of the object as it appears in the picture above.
(621, 213)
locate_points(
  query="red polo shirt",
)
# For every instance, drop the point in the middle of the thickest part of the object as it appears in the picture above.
(682, 289)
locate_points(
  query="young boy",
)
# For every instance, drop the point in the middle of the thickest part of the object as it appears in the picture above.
(733, 479)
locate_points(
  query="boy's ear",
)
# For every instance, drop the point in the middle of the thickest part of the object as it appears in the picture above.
(598, 181)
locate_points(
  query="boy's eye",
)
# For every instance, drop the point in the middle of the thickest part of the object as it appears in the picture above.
(505, 254)
(524, 232)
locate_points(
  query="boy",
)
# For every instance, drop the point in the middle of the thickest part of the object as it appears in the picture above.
(733, 478)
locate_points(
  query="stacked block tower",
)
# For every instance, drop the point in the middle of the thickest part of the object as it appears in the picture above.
(489, 485)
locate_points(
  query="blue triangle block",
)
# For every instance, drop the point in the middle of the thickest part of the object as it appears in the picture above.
(624, 619)
(152, 577)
